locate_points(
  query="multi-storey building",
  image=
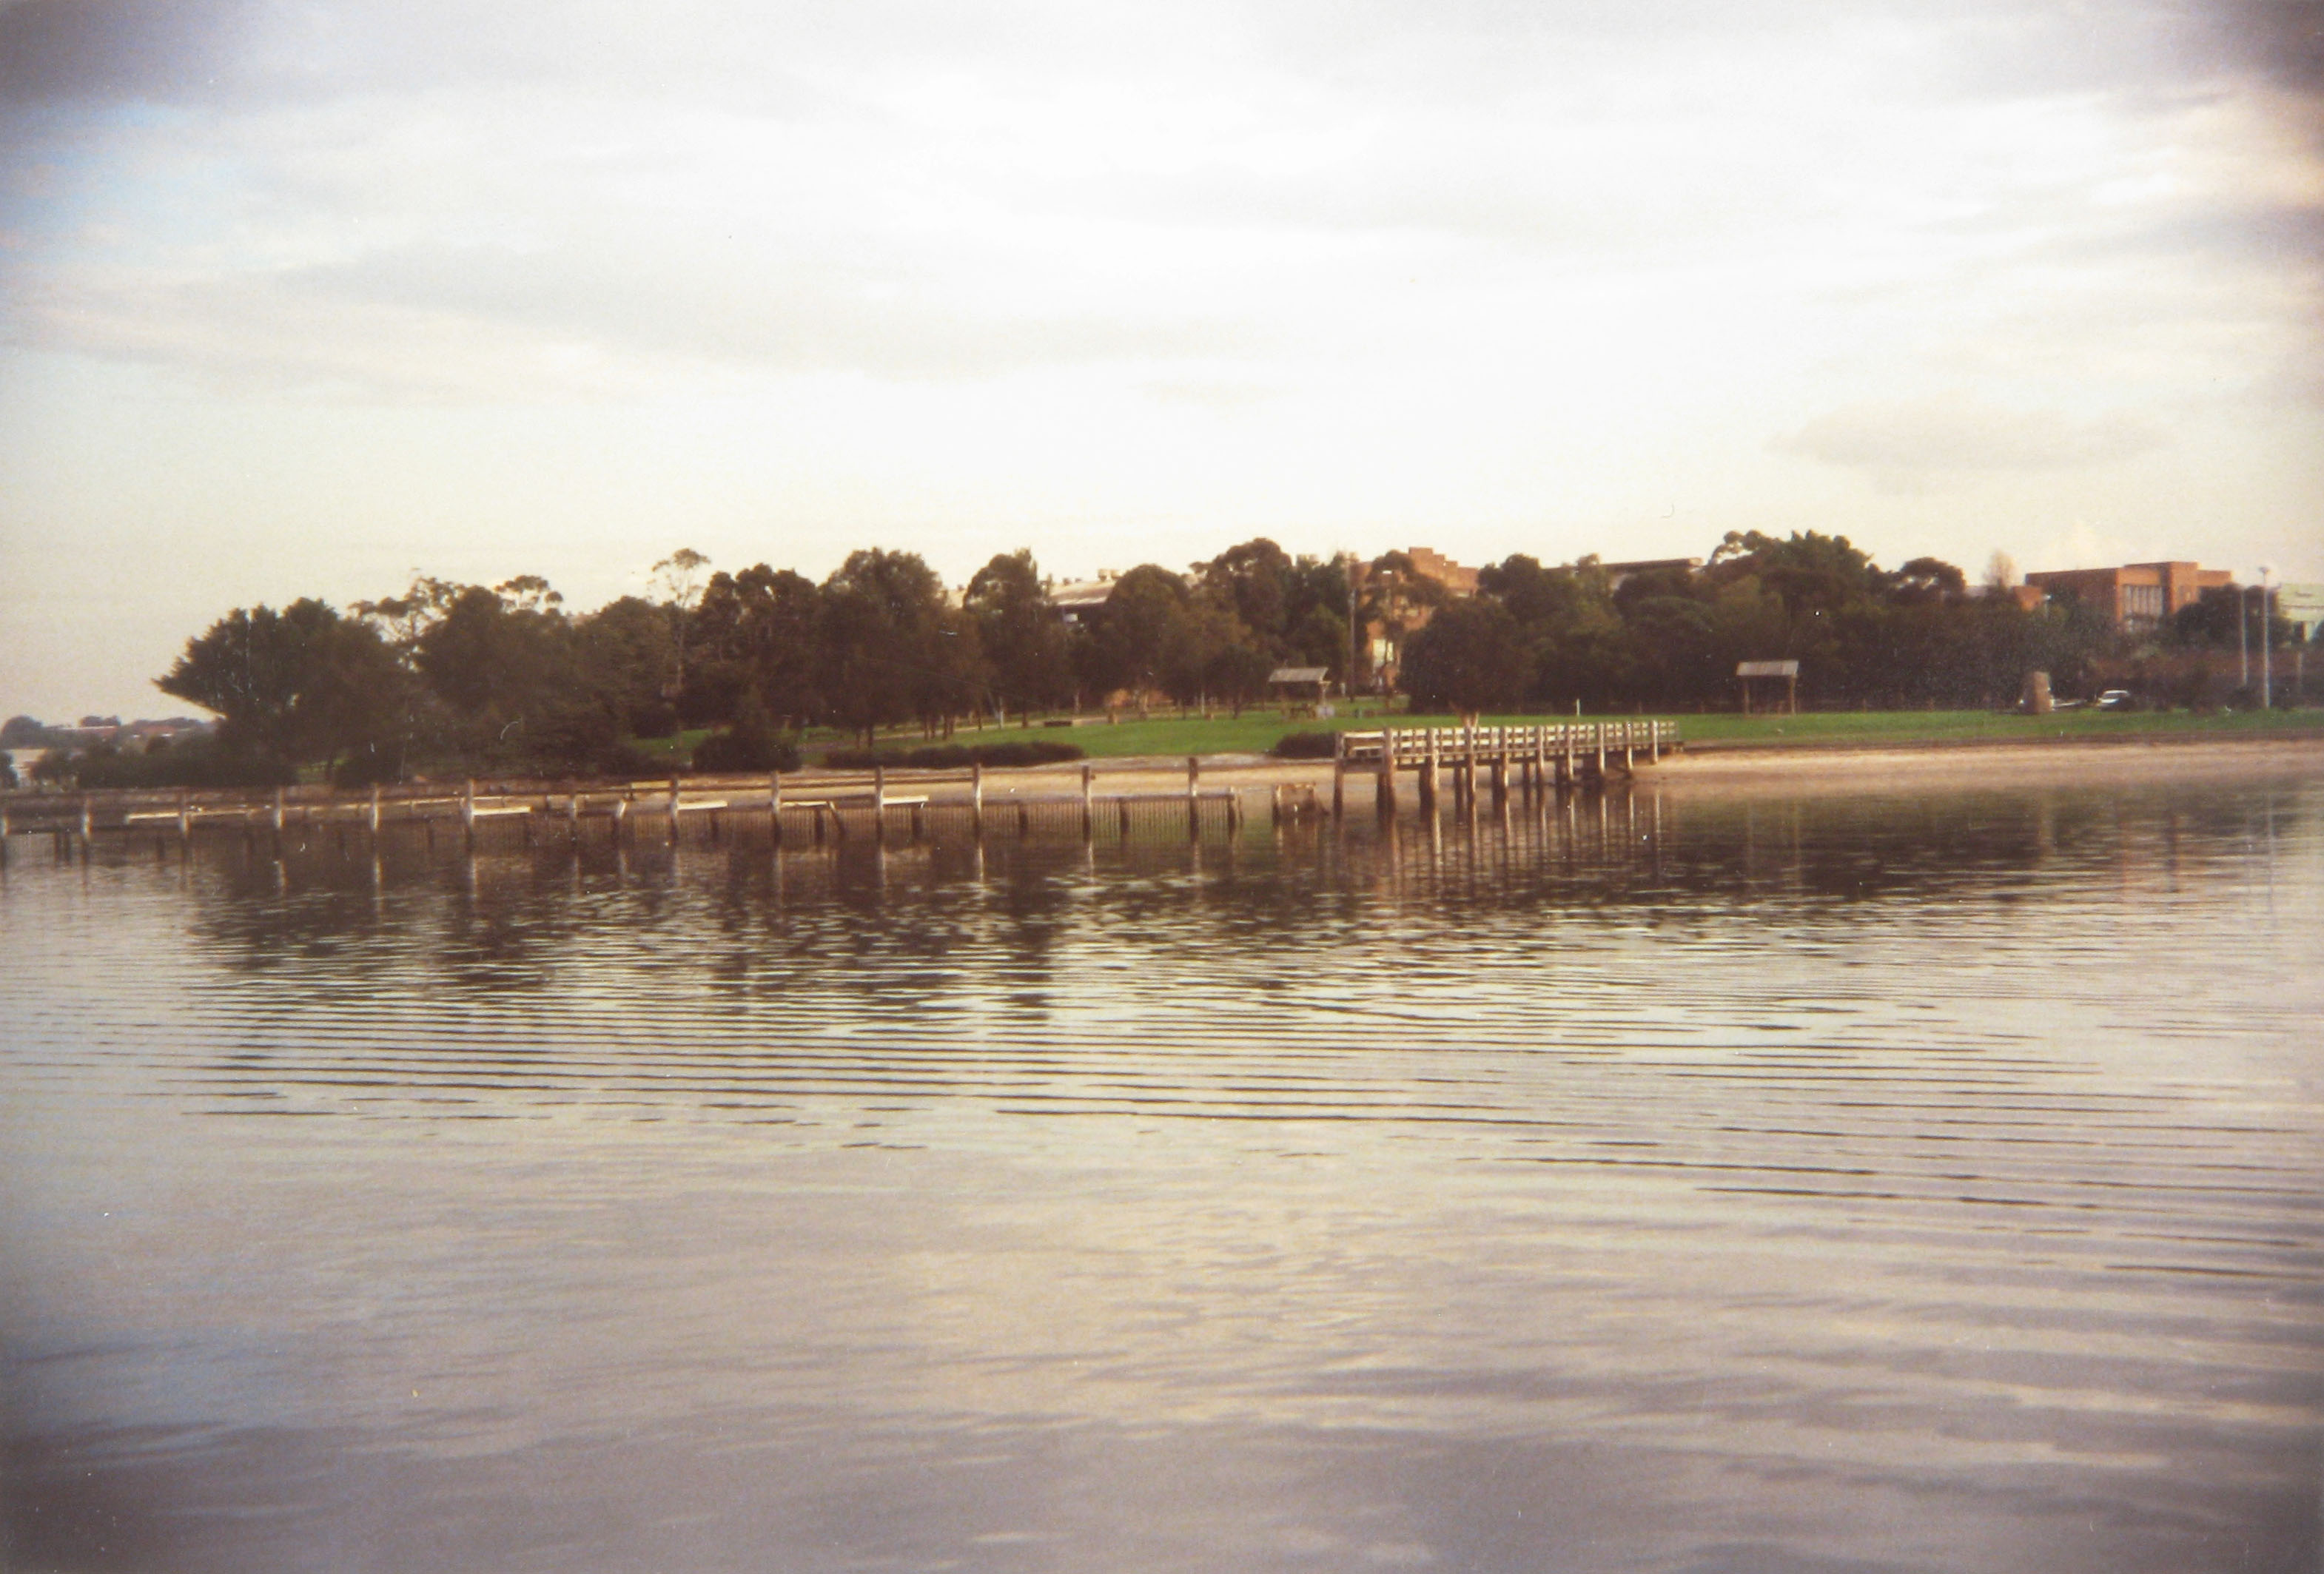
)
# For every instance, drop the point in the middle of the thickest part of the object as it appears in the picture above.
(2136, 595)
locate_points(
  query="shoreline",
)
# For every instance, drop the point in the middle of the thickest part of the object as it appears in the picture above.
(1820, 765)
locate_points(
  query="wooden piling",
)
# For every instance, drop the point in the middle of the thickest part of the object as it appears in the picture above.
(374, 816)
(278, 814)
(879, 803)
(1089, 806)
(185, 817)
(1428, 776)
(1384, 785)
(976, 798)
(468, 814)
(1339, 775)
(1193, 804)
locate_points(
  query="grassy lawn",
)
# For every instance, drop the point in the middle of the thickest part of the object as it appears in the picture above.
(1255, 731)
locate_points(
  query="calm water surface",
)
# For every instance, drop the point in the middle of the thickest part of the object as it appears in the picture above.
(1847, 1184)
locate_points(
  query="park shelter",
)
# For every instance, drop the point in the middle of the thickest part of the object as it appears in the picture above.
(1299, 683)
(1747, 672)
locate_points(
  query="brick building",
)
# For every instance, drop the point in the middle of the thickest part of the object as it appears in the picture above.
(2136, 595)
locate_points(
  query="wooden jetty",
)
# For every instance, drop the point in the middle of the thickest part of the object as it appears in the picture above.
(1559, 755)
(833, 807)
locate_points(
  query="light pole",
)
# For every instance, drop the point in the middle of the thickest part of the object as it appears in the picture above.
(2266, 659)
(2243, 636)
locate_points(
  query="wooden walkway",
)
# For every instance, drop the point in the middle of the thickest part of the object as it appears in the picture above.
(835, 806)
(1561, 755)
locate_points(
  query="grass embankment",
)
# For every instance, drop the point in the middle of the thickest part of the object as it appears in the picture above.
(1255, 731)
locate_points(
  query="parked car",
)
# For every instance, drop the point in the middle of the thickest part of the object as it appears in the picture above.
(2115, 699)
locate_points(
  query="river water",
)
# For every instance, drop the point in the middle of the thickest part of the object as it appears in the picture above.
(1905, 1182)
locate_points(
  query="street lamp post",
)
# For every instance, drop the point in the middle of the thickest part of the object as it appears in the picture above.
(2266, 659)
(2243, 636)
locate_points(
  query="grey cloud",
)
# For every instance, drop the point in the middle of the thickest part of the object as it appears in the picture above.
(442, 321)
(160, 50)
(1901, 441)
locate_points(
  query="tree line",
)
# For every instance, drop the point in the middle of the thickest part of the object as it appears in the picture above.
(507, 677)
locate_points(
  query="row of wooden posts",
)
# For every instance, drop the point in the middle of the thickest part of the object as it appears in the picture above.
(1540, 757)
(827, 801)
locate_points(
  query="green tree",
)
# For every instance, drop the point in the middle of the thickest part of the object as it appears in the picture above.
(1471, 658)
(1142, 637)
(892, 650)
(1026, 645)
(303, 684)
(503, 664)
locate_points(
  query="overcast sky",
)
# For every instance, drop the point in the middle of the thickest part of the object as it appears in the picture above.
(299, 297)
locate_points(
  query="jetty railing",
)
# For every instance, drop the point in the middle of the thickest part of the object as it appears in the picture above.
(1555, 754)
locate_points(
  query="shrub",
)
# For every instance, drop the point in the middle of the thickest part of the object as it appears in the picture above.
(203, 762)
(1305, 746)
(738, 749)
(951, 756)
(627, 762)
(654, 719)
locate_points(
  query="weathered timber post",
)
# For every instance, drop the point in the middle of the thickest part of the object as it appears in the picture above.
(1500, 771)
(918, 826)
(1089, 808)
(1339, 775)
(573, 811)
(278, 814)
(775, 807)
(1654, 743)
(1629, 747)
(185, 817)
(373, 817)
(673, 808)
(1024, 819)
(1123, 805)
(1234, 811)
(817, 807)
(620, 815)
(1193, 804)
(1428, 776)
(879, 803)
(468, 814)
(1384, 789)
(976, 798)
(1600, 733)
